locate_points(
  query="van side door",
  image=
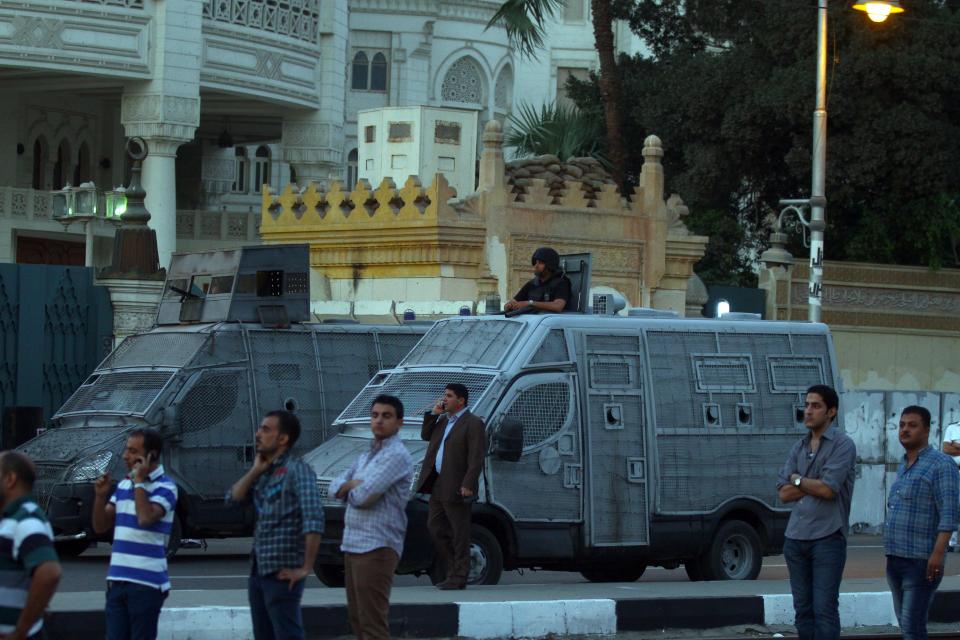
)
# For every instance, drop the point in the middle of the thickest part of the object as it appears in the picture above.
(618, 507)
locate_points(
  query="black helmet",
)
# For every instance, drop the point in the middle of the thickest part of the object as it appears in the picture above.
(550, 258)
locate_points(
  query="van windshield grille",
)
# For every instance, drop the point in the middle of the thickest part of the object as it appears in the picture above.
(155, 350)
(479, 343)
(121, 392)
(418, 390)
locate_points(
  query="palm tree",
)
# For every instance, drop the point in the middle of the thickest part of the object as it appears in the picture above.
(556, 129)
(525, 20)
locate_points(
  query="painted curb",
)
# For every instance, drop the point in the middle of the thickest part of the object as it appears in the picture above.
(518, 619)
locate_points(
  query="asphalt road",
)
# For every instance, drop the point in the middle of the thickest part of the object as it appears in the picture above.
(224, 564)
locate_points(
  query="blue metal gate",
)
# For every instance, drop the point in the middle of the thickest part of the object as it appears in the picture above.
(55, 327)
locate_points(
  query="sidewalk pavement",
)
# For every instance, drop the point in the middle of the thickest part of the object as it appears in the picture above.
(513, 611)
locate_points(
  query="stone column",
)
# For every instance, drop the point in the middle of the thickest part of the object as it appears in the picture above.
(313, 140)
(649, 193)
(165, 111)
(134, 303)
(774, 277)
(160, 183)
(493, 198)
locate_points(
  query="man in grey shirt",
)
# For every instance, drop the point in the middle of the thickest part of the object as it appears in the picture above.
(818, 477)
(375, 489)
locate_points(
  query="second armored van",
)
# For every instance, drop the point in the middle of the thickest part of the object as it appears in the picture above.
(616, 443)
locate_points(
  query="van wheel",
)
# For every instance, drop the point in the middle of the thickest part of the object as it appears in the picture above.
(734, 554)
(694, 572)
(71, 548)
(486, 559)
(630, 573)
(331, 575)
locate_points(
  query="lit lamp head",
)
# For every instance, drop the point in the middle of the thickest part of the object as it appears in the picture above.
(63, 202)
(723, 308)
(878, 10)
(87, 197)
(115, 203)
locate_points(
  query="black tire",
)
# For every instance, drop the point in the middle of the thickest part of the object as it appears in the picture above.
(486, 559)
(331, 575)
(630, 573)
(694, 572)
(176, 535)
(734, 554)
(71, 548)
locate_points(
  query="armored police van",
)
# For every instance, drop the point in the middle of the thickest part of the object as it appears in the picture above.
(615, 443)
(230, 343)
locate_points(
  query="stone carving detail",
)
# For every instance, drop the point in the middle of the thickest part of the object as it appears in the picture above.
(210, 225)
(463, 83)
(503, 92)
(38, 32)
(157, 108)
(298, 19)
(888, 299)
(41, 204)
(291, 211)
(185, 225)
(129, 4)
(237, 227)
(18, 204)
(676, 212)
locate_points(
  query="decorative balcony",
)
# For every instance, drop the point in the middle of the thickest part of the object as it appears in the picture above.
(298, 19)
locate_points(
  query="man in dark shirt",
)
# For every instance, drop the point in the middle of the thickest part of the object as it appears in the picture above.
(548, 291)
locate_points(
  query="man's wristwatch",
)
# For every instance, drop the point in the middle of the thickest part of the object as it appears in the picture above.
(796, 481)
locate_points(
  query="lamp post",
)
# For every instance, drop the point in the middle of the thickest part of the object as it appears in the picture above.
(877, 11)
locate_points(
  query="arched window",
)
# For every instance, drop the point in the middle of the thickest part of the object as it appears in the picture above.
(463, 83)
(39, 181)
(361, 70)
(378, 73)
(261, 168)
(240, 170)
(574, 11)
(63, 166)
(352, 164)
(503, 92)
(81, 172)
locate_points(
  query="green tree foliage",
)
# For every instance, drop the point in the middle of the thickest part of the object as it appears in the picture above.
(730, 90)
(554, 129)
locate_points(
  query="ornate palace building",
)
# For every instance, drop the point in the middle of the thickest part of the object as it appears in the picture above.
(234, 94)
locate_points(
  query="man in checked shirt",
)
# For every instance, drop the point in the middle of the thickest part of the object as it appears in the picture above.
(287, 534)
(921, 515)
(375, 489)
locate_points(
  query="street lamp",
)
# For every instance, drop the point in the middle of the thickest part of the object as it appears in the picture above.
(877, 10)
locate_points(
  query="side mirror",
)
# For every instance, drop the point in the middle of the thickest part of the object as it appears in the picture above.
(508, 440)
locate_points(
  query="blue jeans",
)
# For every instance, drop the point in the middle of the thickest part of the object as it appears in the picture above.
(912, 594)
(816, 567)
(275, 607)
(132, 610)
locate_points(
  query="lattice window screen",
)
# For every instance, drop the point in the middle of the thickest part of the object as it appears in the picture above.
(542, 409)
(791, 374)
(724, 373)
(417, 390)
(463, 83)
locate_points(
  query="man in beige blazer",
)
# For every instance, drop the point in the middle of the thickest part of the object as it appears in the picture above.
(451, 475)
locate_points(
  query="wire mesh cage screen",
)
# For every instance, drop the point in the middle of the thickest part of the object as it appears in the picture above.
(543, 411)
(213, 400)
(155, 350)
(481, 343)
(553, 349)
(418, 390)
(122, 392)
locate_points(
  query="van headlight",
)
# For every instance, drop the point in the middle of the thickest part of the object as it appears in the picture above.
(91, 467)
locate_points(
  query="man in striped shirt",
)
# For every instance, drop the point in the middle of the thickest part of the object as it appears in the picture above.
(141, 511)
(29, 569)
